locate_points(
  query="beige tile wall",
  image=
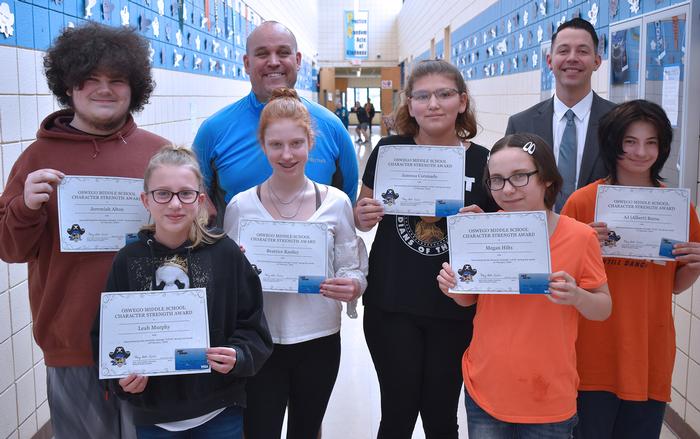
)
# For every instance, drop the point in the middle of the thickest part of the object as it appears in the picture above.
(686, 371)
(23, 406)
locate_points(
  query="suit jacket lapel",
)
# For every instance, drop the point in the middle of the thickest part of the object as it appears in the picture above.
(542, 122)
(590, 149)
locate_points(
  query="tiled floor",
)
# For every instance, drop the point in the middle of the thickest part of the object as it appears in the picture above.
(354, 408)
(353, 412)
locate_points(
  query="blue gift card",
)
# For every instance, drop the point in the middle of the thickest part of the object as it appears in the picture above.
(448, 207)
(191, 359)
(534, 283)
(666, 248)
(310, 284)
(131, 237)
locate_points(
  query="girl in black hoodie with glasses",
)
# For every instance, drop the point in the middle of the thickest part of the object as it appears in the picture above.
(177, 251)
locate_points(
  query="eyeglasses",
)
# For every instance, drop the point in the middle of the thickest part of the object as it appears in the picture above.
(163, 196)
(516, 180)
(441, 94)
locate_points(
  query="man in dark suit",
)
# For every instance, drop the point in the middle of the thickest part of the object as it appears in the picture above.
(569, 120)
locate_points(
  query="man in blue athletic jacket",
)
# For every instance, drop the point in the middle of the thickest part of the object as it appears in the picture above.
(227, 143)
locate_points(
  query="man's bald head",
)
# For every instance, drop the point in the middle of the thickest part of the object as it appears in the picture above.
(271, 59)
(268, 26)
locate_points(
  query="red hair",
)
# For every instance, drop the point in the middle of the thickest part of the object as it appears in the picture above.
(284, 103)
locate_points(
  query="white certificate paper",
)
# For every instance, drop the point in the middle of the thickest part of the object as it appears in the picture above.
(97, 214)
(289, 256)
(500, 253)
(153, 333)
(641, 219)
(420, 180)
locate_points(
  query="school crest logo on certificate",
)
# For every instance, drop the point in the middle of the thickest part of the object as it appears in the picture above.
(389, 197)
(75, 232)
(119, 356)
(466, 273)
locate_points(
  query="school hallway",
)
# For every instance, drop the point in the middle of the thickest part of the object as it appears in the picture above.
(346, 54)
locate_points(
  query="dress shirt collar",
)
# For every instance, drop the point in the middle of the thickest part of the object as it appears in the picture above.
(581, 109)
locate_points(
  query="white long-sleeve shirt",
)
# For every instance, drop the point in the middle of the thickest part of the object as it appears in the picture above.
(294, 318)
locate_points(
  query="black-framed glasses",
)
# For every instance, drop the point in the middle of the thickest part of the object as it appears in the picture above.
(441, 94)
(516, 180)
(163, 196)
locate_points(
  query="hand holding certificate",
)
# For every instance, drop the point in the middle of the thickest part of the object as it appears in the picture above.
(97, 214)
(642, 222)
(289, 256)
(420, 180)
(153, 333)
(500, 253)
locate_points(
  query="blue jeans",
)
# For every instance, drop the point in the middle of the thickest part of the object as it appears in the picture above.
(226, 425)
(481, 425)
(603, 415)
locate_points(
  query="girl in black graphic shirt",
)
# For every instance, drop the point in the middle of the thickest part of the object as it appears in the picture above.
(415, 334)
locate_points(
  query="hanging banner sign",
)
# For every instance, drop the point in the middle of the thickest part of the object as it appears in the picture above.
(356, 34)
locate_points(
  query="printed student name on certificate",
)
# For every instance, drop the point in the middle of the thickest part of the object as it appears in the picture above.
(153, 333)
(99, 214)
(420, 180)
(500, 253)
(289, 256)
(643, 222)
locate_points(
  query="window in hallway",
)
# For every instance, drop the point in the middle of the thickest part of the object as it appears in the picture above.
(360, 94)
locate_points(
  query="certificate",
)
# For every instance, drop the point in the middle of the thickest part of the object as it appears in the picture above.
(289, 256)
(153, 333)
(99, 214)
(500, 253)
(642, 221)
(420, 180)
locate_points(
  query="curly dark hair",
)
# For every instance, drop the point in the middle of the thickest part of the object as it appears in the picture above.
(465, 125)
(82, 51)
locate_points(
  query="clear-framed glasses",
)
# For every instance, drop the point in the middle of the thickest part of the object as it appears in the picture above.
(441, 94)
(163, 196)
(516, 180)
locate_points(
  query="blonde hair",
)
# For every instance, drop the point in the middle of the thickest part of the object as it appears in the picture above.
(177, 155)
(284, 103)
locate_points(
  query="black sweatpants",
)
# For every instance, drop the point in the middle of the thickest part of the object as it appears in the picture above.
(299, 377)
(419, 364)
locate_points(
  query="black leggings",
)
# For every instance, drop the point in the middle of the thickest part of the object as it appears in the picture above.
(301, 376)
(418, 363)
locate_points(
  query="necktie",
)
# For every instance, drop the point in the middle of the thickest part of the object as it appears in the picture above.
(567, 160)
